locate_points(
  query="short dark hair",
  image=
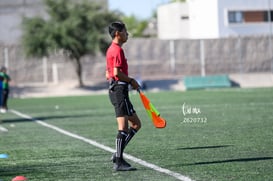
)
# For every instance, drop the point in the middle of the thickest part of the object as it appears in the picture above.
(114, 27)
(3, 68)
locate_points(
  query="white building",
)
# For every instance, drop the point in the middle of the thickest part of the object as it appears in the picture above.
(206, 19)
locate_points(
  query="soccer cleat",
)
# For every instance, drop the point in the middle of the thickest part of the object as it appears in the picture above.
(114, 160)
(123, 167)
(126, 163)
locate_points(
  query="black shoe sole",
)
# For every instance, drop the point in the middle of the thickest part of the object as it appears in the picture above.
(125, 169)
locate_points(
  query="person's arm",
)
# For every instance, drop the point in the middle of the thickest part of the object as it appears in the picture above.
(106, 74)
(125, 78)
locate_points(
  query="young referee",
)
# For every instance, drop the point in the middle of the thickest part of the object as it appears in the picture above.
(117, 75)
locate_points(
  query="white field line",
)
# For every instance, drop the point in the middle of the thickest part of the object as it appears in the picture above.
(3, 129)
(106, 148)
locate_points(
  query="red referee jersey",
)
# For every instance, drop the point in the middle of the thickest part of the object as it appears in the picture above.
(115, 58)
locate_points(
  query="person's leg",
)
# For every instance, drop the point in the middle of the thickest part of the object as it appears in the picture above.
(121, 136)
(5, 98)
(135, 125)
(120, 163)
(1, 97)
(119, 98)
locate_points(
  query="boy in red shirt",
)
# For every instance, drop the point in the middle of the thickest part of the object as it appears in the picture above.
(117, 75)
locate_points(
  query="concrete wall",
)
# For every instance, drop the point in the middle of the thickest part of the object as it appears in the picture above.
(204, 19)
(172, 22)
(11, 15)
(150, 59)
(12, 12)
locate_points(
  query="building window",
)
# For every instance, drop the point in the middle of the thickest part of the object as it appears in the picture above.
(184, 17)
(249, 16)
(235, 17)
(266, 16)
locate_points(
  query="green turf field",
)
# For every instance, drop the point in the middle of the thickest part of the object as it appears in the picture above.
(224, 134)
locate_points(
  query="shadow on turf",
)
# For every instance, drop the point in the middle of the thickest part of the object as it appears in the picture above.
(42, 118)
(224, 161)
(233, 160)
(204, 147)
(219, 161)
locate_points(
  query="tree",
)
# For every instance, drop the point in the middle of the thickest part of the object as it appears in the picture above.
(134, 26)
(78, 28)
(178, 1)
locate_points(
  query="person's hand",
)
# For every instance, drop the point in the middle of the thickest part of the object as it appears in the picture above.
(134, 84)
(106, 74)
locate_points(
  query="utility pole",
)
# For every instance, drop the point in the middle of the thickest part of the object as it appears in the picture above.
(270, 33)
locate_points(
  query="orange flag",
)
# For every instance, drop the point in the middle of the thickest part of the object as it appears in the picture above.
(152, 112)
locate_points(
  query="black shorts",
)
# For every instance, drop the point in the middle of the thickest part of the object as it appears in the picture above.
(119, 97)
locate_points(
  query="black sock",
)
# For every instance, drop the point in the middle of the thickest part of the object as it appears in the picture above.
(130, 135)
(120, 144)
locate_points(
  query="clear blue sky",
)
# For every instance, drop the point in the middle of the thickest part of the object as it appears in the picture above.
(142, 9)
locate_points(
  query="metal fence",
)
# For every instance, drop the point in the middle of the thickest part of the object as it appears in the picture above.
(149, 58)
